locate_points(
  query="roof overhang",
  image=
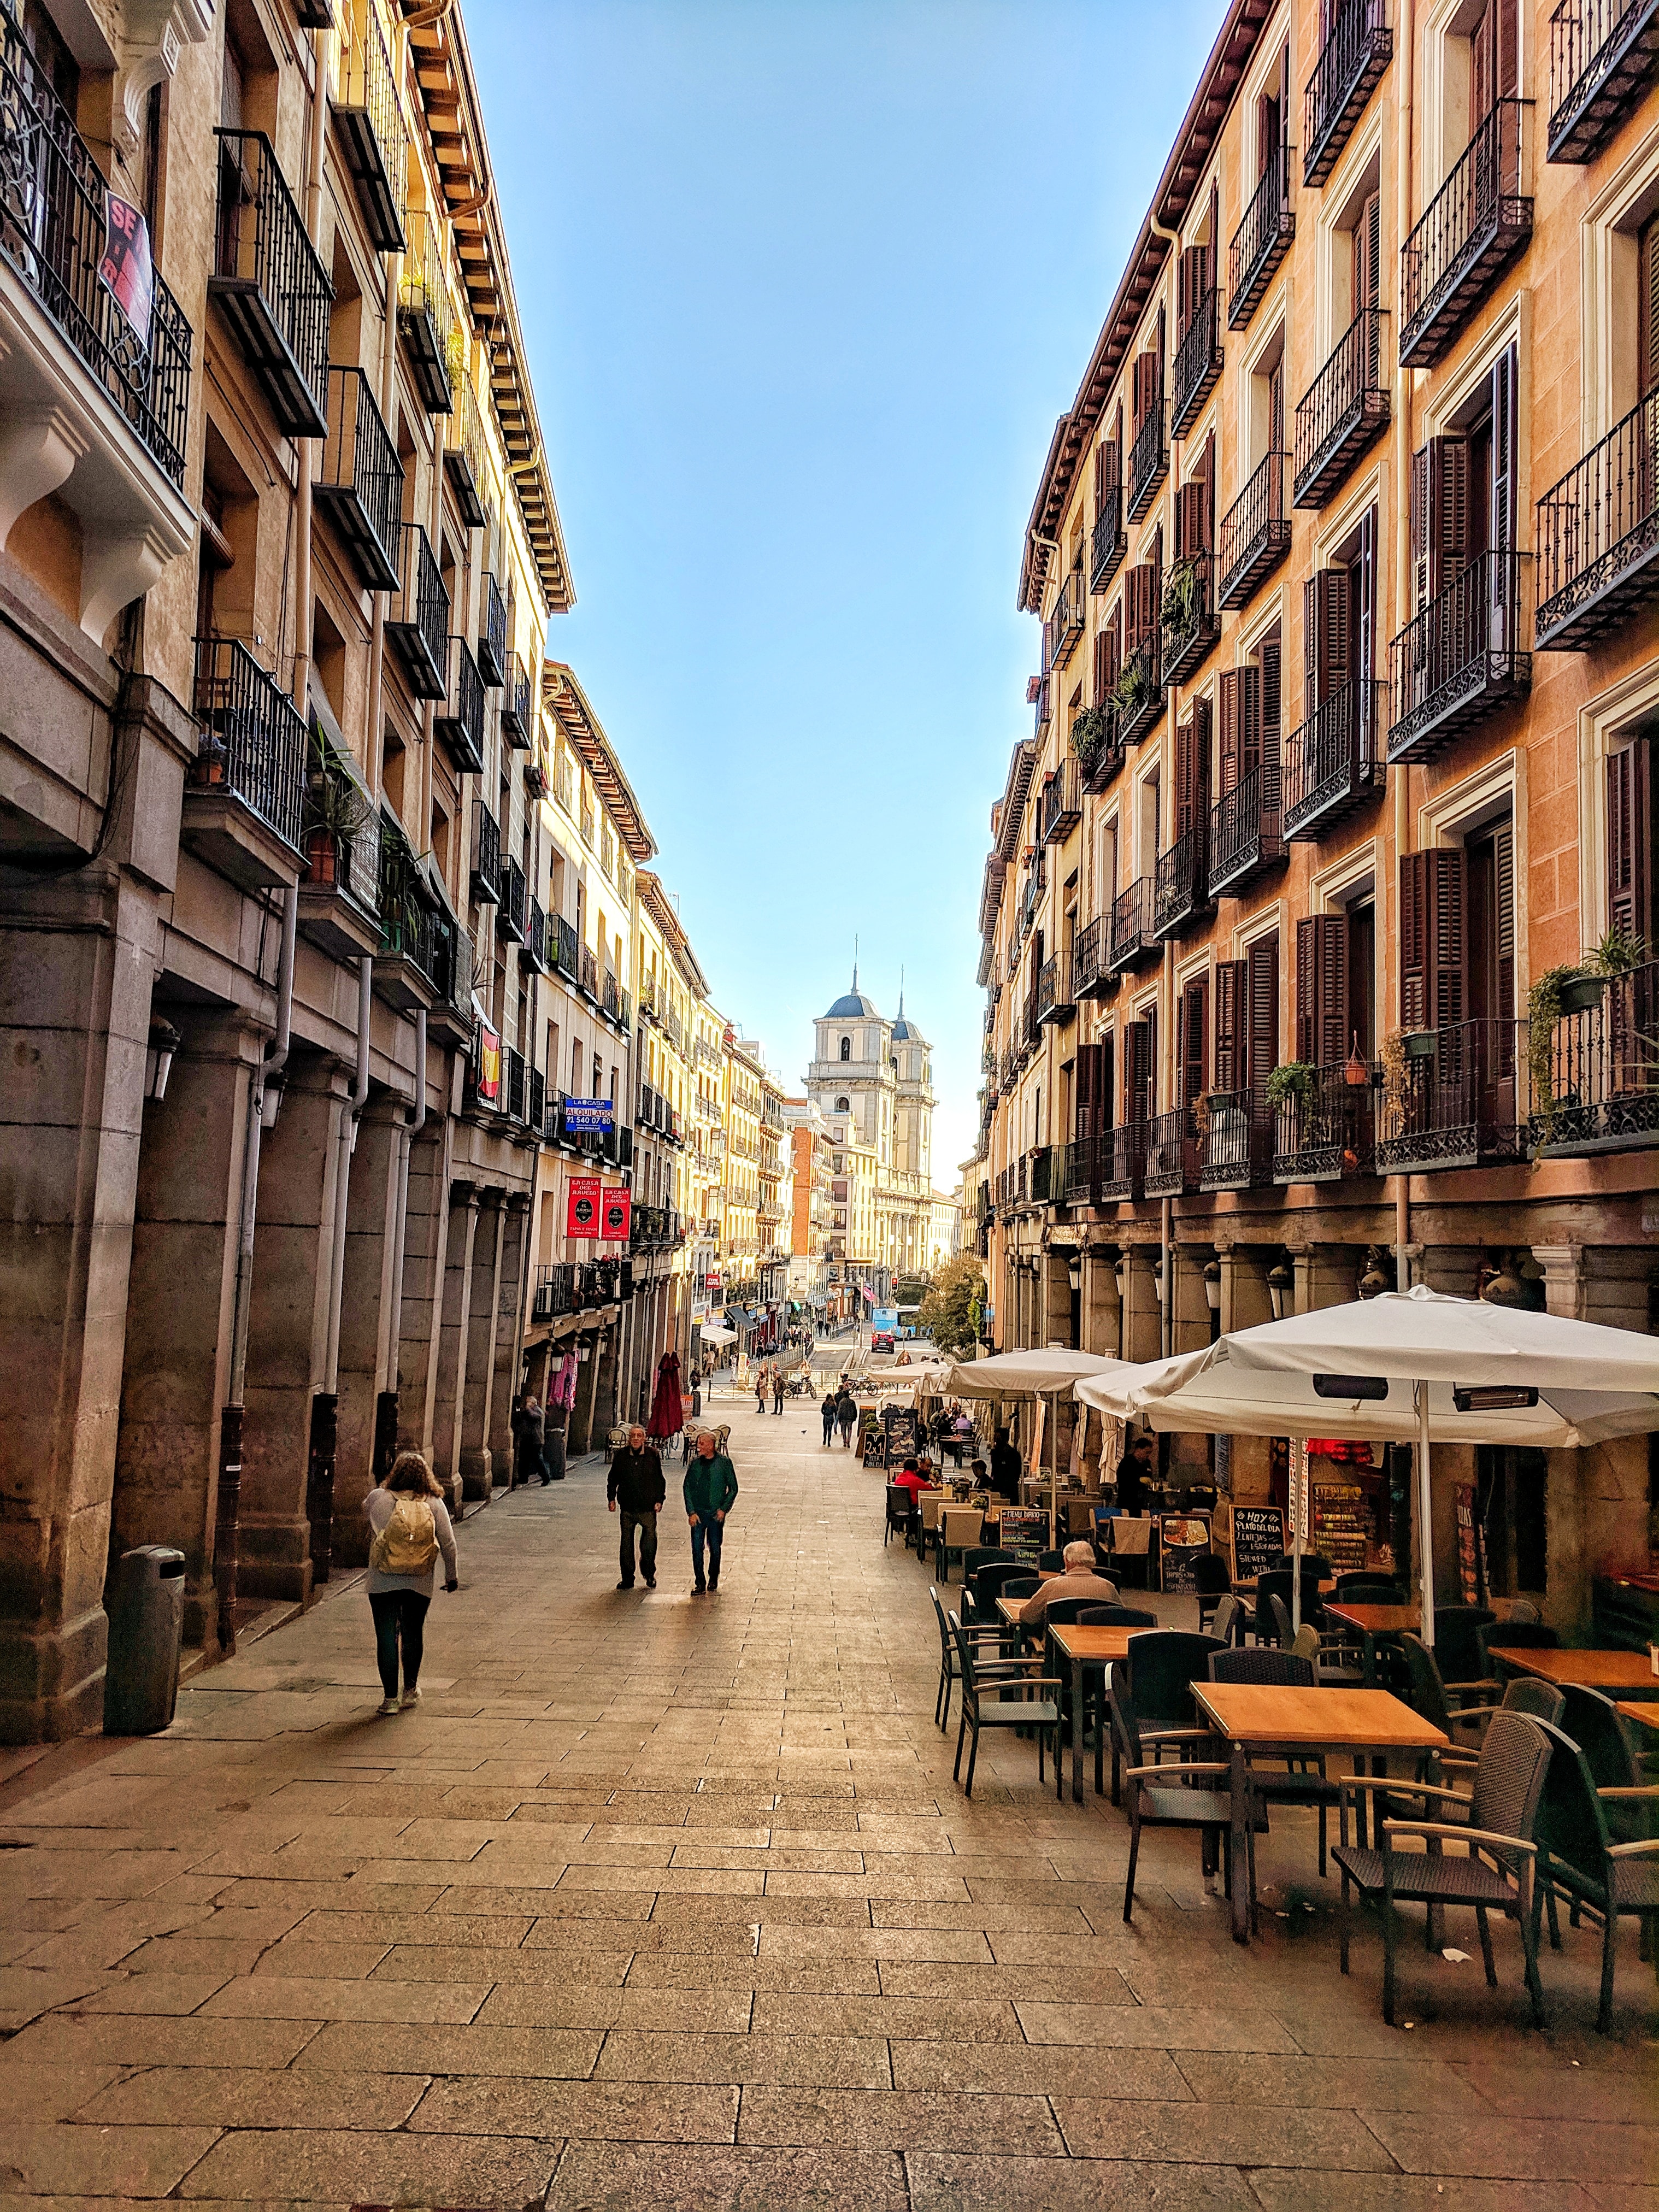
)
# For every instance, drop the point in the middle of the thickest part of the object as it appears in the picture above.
(565, 701)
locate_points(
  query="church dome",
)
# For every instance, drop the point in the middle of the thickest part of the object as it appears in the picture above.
(852, 1007)
(903, 1033)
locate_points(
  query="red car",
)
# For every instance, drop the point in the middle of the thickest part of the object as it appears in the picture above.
(882, 1340)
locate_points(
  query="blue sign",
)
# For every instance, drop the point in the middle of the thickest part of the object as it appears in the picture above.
(589, 1117)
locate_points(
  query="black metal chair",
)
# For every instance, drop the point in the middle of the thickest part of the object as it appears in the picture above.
(1053, 1563)
(1593, 1723)
(1517, 1635)
(1303, 1781)
(898, 1512)
(949, 1667)
(989, 1583)
(1497, 1873)
(1456, 1643)
(984, 1555)
(1276, 1584)
(1229, 1620)
(1149, 1696)
(1213, 1583)
(1019, 1709)
(1430, 1693)
(1114, 1616)
(1194, 1794)
(1366, 1589)
(1578, 1858)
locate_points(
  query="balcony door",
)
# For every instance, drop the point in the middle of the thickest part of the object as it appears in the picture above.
(1494, 55)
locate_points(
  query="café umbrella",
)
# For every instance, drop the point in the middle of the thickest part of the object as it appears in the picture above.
(1054, 1372)
(1416, 1366)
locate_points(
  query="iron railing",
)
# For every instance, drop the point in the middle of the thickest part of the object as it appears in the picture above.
(330, 790)
(1234, 1142)
(516, 708)
(1191, 619)
(1149, 460)
(460, 724)
(486, 856)
(1108, 541)
(417, 616)
(1178, 894)
(1461, 658)
(1475, 224)
(1601, 64)
(1246, 831)
(1106, 1169)
(1054, 1000)
(1060, 808)
(1198, 363)
(1141, 691)
(1254, 535)
(535, 956)
(253, 739)
(1173, 1159)
(1456, 1104)
(1356, 48)
(270, 282)
(514, 1099)
(567, 948)
(409, 928)
(1343, 413)
(1333, 761)
(1064, 627)
(360, 479)
(425, 315)
(1328, 1130)
(1040, 702)
(1595, 1089)
(1262, 238)
(510, 913)
(371, 123)
(465, 459)
(554, 1292)
(492, 632)
(52, 235)
(1133, 937)
(1598, 532)
(1088, 970)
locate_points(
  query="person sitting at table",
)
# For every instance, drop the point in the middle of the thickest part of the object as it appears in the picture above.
(911, 1478)
(1079, 1579)
(1005, 1469)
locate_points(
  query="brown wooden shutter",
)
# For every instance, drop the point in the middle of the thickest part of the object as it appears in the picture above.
(1086, 1090)
(1440, 515)
(1272, 703)
(1630, 858)
(1193, 772)
(1647, 347)
(1326, 642)
(1195, 1027)
(1249, 719)
(1508, 42)
(1322, 989)
(1503, 888)
(1191, 504)
(1141, 599)
(1367, 255)
(1144, 388)
(1276, 407)
(1500, 524)
(1140, 1097)
(1262, 1017)
(1105, 659)
(1433, 937)
(1229, 772)
(1231, 987)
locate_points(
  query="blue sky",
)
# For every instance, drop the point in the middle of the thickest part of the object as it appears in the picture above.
(805, 285)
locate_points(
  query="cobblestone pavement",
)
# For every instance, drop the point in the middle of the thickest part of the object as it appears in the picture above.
(658, 1901)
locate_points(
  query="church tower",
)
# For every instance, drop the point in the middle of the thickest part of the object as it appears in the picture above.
(913, 1099)
(853, 1070)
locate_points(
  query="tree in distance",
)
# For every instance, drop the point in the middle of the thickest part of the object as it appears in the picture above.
(950, 1311)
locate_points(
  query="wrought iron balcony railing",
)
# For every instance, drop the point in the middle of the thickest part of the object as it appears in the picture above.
(1198, 363)
(271, 284)
(417, 616)
(425, 315)
(1598, 536)
(1140, 691)
(492, 632)
(1328, 1130)
(510, 913)
(1234, 1142)
(1262, 240)
(1108, 541)
(1333, 763)
(1245, 832)
(1357, 47)
(1174, 1155)
(1181, 895)
(518, 723)
(535, 957)
(1089, 976)
(1105, 1170)
(370, 122)
(1602, 54)
(253, 740)
(1060, 807)
(346, 860)
(567, 948)
(1191, 618)
(486, 856)
(409, 923)
(1099, 747)
(1055, 1000)
(1256, 534)
(1474, 226)
(1149, 460)
(1595, 1088)
(1455, 1104)
(1461, 658)
(360, 480)
(53, 215)
(554, 1292)
(1135, 939)
(465, 458)
(460, 726)
(1040, 702)
(1343, 413)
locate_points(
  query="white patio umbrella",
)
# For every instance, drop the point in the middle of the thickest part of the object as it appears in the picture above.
(1413, 1366)
(1054, 1372)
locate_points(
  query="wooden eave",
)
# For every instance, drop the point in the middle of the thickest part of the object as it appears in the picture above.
(565, 701)
(657, 905)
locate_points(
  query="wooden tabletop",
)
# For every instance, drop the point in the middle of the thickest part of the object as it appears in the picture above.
(1580, 1670)
(1648, 1715)
(1378, 1619)
(1370, 1720)
(1077, 1640)
(1248, 1587)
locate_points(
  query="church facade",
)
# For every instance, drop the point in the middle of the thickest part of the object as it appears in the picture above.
(871, 1080)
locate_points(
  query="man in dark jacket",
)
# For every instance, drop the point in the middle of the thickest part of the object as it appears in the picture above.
(637, 1488)
(710, 1486)
(1134, 1470)
(1006, 1466)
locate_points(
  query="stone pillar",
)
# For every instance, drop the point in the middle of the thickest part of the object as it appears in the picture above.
(426, 1239)
(454, 1329)
(371, 1225)
(606, 1356)
(1143, 1321)
(1246, 1304)
(1102, 1321)
(581, 1413)
(1055, 1289)
(478, 1340)
(1326, 1275)
(1451, 1268)
(1190, 1455)
(515, 1218)
(1603, 1282)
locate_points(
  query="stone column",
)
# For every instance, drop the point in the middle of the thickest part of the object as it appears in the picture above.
(606, 1355)
(371, 1225)
(581, 1413)
(1326, 1275)
(1190, 1455)
(1452, 1267)
(515, 1217)
(426, 1240)
(1246, 1304)
(1102, 1319)
(1054, 1289)
(1143, 1327)
(455, 1328)
(478, 1340)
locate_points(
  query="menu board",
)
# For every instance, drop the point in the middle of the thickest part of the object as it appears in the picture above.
(1258, 1540)
(1182, 1539)
(900, 1424)
(1024, 1532)
(1340, 1521)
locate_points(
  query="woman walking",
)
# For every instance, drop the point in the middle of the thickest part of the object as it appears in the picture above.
(829, 1409)
(410, 1526)
(847, 1414)
(760, 1388)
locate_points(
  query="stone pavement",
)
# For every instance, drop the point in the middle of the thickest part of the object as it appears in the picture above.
(663, 1903)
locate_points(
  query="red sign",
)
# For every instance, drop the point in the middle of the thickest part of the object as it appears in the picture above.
(615, 1214)
(125, 266)
(581, 1205)
(490, 1063)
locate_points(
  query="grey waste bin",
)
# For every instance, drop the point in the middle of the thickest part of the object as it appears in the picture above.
(146, 1621)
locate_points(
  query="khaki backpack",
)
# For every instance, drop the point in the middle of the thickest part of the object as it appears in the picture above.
(409, 1542)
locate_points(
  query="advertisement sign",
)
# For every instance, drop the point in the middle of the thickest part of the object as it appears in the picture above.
(1024, 1532)
(615, 1214)
(1471, 1561)
(900, 1424)
(125, 266)
(581, 1205)
(490, 1063)
(589, 1117)
(1258, 1540)
(1300, 1516)
(1182, 1539)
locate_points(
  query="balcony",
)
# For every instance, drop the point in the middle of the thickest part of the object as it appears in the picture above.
(1255, 535)
(1358, 48)
(1601, 65)
(1105, 1170)
(1328, 1131)
(452, 1019)
(1598, 535)
(1476, 224)
(610, 999)
(1455, 1104)
(1198, 363)
(1262, 240)
(587, 981)
(1040, 703)
(465, 461)
(1149, 462)
(247, 784)
(1060, 807)
(1597, 1091)
(1343, 413)
(1064, 627)
(1108, 541)
(1089, 976)
(1133, 940)
(510, 912)
(360, 480)
(271, 288)
(518, 725)
(1140, 693)
(406, 962)
(417, 617)
(515, 1091)
(425, 317)
(535, 957)
(492, 632)
(1055, 1000)
(459, 728)
(486, 856)
(567, 948)
(555, 1292)
(340, 833)
(370, 123)
(1234, 1142)
(1099, 751)
(1174, 1161)
(1191, 620)
(1246, 833)
(1180, 893)
(1460, 659)
(1332, 764)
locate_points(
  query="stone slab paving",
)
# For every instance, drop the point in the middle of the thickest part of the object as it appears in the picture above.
(658, 1901)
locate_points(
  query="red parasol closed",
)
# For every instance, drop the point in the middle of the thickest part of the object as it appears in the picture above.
(667, 1410)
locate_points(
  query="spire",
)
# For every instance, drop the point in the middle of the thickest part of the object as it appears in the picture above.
(901, 1011)
(856, 964)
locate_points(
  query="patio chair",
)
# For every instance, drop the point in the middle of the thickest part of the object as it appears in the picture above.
(982, 1587)
(1304, 1780)
(1593, 1723)
(1579, 1858)
(1197, 1794)
(1456, 1645)
(898, 1512)
(1366, 1589)
(1313, 1562)
(1496, 1874)
(1227, 1623)
(1010, 1705)
(1523, 1611)
(949, 1669)
(1114, 1616)
(960, 1529)
(1150, 1697)
(1052, 1562)
(1430, 1693)
(1328, 1657)
(929, 1504)
(1276, 1584)
(1213, 1583)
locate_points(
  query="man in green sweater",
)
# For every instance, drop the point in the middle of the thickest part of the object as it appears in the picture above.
(711, 1484)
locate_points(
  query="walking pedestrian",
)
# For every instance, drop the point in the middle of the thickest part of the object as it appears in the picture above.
(777, 1389)
(636, 1489)
(829, 1409)
(710, 1486)
(530, 1427)
(760, 1388)
(410, 1525)
(847, 1414)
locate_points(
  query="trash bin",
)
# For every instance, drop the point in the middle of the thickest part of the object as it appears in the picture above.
(146, 1622)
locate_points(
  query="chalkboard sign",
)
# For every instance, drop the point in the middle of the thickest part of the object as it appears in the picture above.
(1182, 1539)
(1024, 1532)
(899, 1424)
(1258, 1540)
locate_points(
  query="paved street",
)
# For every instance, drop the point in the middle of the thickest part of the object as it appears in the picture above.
(662, 1903)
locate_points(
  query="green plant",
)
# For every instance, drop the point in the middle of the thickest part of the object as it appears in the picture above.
(1619, 951)
(1543, 1012)
(455, 359)
(1180, 597)
(1134, 690)
(950, 1313)
(333, 801)
(1291, 1082)
(1091, 732)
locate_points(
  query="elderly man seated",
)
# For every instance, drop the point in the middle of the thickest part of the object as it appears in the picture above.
(1079, 1580)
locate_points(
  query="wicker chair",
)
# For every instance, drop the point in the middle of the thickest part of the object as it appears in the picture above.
(1150, 1696)
(1578, 1858)
(1227, 1625)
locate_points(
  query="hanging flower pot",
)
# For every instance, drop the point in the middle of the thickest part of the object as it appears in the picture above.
(1420, 1044)
(1579, 994)
(209, 765)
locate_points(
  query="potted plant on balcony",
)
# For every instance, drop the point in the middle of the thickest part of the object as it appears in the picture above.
(1290, 1083)
(1133, 691)
(335, 810)
(1182, 601)
(1091, 734)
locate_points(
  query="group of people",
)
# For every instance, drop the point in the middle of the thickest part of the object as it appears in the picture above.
(636, 1490)
(840, 1410)
(538, 1444)
(770, 1382)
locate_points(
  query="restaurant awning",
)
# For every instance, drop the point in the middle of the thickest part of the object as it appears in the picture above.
(1028, 1374)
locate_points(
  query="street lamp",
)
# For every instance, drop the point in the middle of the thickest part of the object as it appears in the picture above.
(164, 1042)
(1212, 1285)
(1281, 1281)
(1074, 1269)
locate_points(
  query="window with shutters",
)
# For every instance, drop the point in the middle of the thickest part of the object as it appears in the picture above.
(1433, 939)
(1630, 844)
(1261, 1018)
(1194, 1040)
(1489, 875)
(1322, 990)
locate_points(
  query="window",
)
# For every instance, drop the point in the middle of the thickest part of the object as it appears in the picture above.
(843, 1105)
(1339, 627)
(1247, 1021)
(847, 1047)
(1631, 842)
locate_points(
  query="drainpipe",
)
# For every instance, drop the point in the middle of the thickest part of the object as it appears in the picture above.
(1402, 501)
(229, 1502)
(325, 1402)
(385, 1411)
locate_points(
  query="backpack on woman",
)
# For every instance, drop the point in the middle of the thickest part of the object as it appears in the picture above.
(408, 1544)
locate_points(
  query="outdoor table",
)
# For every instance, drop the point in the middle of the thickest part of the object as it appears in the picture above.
(1091, 1649)
(1374, 1621)
(1248, 1588)
(1283, 1722)
(1610, 1672)
(1648, 1715)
